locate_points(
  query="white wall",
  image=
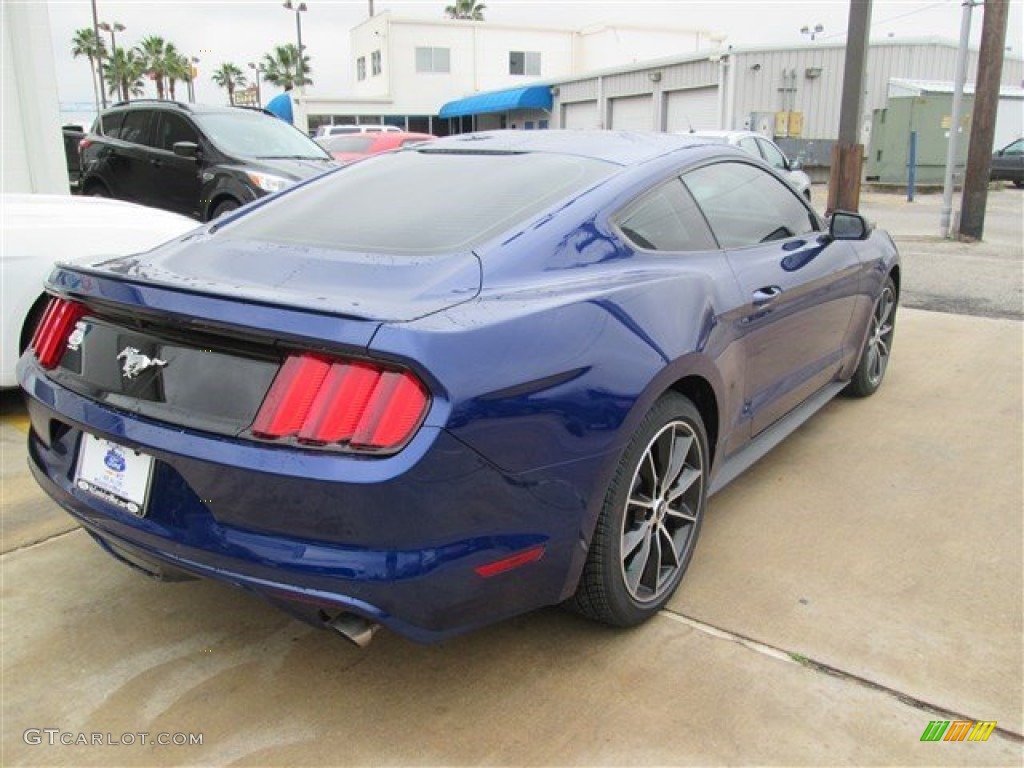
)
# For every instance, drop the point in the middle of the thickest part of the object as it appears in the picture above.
(32, 159)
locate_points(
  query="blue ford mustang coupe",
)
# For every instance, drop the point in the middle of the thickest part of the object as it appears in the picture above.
(455, 382)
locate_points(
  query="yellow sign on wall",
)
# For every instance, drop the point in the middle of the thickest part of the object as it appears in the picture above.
(789, 124)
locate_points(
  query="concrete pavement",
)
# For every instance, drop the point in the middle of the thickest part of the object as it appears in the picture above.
(861, 581)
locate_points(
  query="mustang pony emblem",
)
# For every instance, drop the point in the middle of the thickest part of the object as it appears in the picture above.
(135, 362)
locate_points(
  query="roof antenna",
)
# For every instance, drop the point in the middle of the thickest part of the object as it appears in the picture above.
(690, 124)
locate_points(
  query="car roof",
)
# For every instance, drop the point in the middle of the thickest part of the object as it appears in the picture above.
(179, 106)
(621, 147)
(728, 134)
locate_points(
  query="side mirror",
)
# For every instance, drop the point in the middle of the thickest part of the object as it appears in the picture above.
(186, 149)
(848, 226)
(794, 165)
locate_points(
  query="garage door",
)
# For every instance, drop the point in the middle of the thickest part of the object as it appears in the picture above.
(633, 113)
(580, 115)
(695, 108)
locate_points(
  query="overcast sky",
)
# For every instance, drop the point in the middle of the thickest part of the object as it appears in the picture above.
(241, 31)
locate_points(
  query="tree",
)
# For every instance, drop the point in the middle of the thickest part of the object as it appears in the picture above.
(178, 68)
(86, 43)
(124, 70)
(229, 76)
(466, 9)
(156, 55)
(282, 67)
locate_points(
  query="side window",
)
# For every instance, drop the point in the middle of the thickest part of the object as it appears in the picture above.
(136, 126)
(749, 145)
(772, 155)
(1017, 148)
(666, 219)
(172, 129)
(746, 205)
(110, 124)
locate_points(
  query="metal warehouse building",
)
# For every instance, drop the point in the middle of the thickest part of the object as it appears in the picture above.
(792, 93)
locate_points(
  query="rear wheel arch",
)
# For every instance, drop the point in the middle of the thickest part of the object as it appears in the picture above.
(699, 391)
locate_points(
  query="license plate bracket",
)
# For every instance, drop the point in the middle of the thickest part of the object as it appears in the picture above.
(118, 475)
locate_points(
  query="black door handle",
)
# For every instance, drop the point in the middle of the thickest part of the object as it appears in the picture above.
(766, 295)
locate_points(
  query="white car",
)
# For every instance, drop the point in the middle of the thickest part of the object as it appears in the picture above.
(39, 230)
(335, 130)
(766, 150)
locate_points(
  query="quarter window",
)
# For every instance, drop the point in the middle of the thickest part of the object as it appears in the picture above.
(361, 68)
(433, 60)
(666, 219)
(524, 63)
(375, 63)
(746, 205)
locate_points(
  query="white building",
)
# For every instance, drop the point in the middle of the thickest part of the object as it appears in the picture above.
(406, 69)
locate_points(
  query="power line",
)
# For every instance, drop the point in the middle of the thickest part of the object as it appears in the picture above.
(887, 21)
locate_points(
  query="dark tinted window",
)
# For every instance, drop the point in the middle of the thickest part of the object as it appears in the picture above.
(420, 201)
(136, 126)
(666, 220)
(109, 124)
(746, 205)
(173, 128)
(358, 143)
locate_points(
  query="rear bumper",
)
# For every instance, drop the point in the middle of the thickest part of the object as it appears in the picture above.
(395, 540)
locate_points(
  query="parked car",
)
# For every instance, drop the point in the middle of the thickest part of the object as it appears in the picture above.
(1008, 164)
(38, 230)
(196, 160)
(345, 149)
(508, 376)
(338, 130)
(764, 149)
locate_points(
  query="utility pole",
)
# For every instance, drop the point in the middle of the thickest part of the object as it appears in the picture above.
(371, 8)
(848, 152)
(955, 126)
(99, 57)
(983, 123)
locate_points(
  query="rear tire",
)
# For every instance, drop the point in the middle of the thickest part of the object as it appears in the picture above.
(874, 358)
(651, 518)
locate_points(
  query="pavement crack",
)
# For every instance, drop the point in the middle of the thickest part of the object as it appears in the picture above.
(793, 657)
(39, 543)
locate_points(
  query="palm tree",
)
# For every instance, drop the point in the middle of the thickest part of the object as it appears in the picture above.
(153, 51)
(86, 43)
(466, 9)
(282, 67)
(178, 68)
(124, 71)
(229, 76)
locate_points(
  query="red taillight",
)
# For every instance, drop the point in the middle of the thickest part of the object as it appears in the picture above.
(84, 144)
(50, 338)
(320, 401)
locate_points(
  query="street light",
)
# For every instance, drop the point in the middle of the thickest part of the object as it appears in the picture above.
(257, 68)
(192, 61)
(299, 9)
(112, 28)
(817, 30)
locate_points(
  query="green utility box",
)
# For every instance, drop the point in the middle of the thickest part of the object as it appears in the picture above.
(931, 117)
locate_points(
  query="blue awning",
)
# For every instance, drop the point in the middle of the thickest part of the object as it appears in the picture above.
(530, 97)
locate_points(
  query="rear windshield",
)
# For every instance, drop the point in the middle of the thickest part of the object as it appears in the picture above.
(360, 144)
(420, 201)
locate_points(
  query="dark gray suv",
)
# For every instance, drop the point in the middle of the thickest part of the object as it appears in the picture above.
(197, 160)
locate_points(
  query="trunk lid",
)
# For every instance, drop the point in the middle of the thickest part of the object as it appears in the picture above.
(368, 286)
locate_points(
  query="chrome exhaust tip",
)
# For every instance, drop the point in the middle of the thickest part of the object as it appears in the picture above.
(355, 629)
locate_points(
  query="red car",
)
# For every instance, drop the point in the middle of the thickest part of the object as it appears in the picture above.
(345, 149)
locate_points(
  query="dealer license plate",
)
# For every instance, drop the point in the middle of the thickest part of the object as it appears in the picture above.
(118, 475)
